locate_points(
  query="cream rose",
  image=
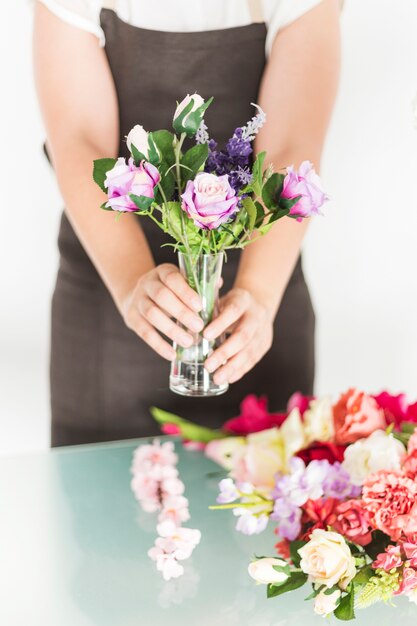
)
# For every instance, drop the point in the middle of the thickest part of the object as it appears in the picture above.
(139, 138)
(376, 452)
(197, 101)
(263, 571)
(324, 604)
(318, 420)
(327, 560)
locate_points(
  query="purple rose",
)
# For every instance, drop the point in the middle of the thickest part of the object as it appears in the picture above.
(209, 200)
(126, 178)
(307, 184)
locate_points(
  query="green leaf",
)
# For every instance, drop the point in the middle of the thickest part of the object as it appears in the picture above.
(193, 160)
(167, 183)
(188, 430)
(154, 156)
(408, 428)
(180, 226)
(380, 541)
(294, 547)
(100, 169)
(257, 173)
(250, 207)
(296, 580)
(282, 569)
(164, 141)
(104, 207)
(288, 203)
(142, 202)
(363, 576)
(137, 155)
(270, 190)
(345, 610)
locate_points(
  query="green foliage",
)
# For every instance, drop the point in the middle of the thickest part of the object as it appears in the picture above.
(270, 191)
(345, 610)
(179, 225)
(257, 174)
(296, 580)
(379, 542)
(142, 202)
(193, 160)
(137, 155)
(252, 213)
(100, 169)
(294, 547)
(188, 430)
(282, 569)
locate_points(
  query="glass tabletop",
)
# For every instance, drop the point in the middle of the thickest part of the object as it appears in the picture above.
(73, 544)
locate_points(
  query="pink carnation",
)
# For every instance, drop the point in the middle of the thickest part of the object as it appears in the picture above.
(408, 582)
(352, 521)
(300, 402)
(389, 559)
(356, 415)
(410, 550)
(390, 498)
(254, 417)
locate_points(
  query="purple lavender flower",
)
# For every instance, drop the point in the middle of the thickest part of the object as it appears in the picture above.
(337, 483)
(288, 517)
(250, 524)
(228, 492)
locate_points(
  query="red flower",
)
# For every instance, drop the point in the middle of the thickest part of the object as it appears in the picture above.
(322, 450)
(356, 415)
(396, 408)
(283, 548)
(254, 417)
(300, 402)
(322, 512)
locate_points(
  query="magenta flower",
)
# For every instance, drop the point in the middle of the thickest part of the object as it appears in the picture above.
(307, 184)
(209, 200)
(126, 178)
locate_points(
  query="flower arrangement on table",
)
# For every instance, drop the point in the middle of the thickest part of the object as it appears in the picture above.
(339, 480)
(207, 200)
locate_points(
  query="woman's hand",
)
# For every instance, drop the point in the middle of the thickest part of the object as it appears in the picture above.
(251, 336)
(159, 295)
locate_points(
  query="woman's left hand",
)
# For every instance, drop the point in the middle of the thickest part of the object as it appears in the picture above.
(251, 327)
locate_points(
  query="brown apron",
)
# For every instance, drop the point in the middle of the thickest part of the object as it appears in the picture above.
(103, 377)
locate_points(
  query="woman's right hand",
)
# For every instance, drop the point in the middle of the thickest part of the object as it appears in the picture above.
(159, 295)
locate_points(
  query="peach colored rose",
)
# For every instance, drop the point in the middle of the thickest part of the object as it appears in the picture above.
(356, 415)
(327, 560)
(390, 497)
(389, 559)
(409, 581)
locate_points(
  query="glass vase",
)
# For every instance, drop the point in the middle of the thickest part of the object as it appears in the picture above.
(188, 375)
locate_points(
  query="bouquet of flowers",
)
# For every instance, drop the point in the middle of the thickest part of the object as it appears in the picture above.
(339, 480)
(207, 200)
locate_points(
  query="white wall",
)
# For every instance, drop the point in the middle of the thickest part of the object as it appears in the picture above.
(361, 258)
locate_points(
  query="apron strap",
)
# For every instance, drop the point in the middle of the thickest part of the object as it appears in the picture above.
(256, 11)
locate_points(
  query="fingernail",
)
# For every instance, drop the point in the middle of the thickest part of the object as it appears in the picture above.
(208, 334)
(186, 341)
(197, 325)
(220, 378)
(211, 366)
(196, 304)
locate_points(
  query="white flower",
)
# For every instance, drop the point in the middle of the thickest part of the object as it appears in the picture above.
(318, 420)
(167, 564)
(327, 560)
(412, 595)
(175, 508)
(249, 524)
(324, 604)
(197, 101)
(180, 542)
(263, 571)
(139, 137)
(376, 452)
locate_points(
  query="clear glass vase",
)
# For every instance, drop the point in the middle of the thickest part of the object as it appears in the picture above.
(188, 375)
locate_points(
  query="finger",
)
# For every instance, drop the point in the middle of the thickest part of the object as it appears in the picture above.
(155, 316)
(172, 278)
(237, 341)
(237, 367)
(233, 310)
(167, 300)
(153, 339)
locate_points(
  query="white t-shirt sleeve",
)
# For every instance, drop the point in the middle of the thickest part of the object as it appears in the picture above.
(84, 14)
(280, 13)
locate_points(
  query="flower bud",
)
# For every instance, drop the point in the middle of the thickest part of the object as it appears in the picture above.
(263, 571)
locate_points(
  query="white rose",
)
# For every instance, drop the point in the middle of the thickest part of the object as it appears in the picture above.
(318, 420)
(324, 604)
(263, 571)
(376, 452)
(197, 101)
(139, 137)
(327, 560)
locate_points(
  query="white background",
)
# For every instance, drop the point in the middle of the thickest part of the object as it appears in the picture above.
(361, 259)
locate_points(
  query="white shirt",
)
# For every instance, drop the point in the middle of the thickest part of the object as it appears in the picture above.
(180, 15)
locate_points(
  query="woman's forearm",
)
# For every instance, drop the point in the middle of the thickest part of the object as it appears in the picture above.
(118, 249)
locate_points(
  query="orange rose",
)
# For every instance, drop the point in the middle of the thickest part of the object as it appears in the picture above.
(356, 415)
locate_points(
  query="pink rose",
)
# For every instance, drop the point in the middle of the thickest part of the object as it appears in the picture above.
(389, 559)
(409, 581)
(356, 416)
(125, 178)
(410, 550)
(300, 402)
(254, 417)
(307, 184)
(209, 200)
(389, 496)
(352, 521)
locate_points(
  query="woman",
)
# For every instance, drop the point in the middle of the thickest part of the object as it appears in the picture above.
(103, 67)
